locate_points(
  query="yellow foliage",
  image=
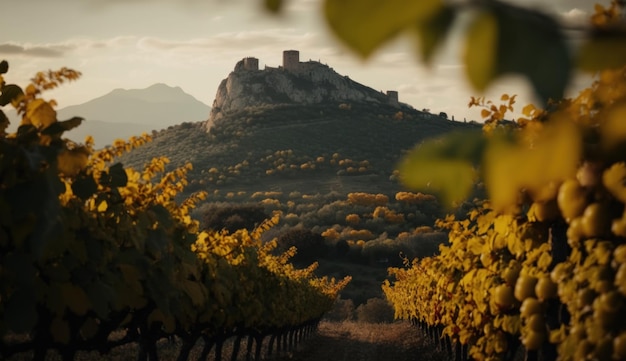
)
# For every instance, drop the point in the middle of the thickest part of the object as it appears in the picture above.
(367, 199)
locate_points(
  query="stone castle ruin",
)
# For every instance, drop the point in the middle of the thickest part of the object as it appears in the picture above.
(291, 60)
(313, 70)
(251, 63)
(293, 82)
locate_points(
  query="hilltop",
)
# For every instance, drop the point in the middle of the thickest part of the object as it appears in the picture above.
(281, 128)
(295, 82)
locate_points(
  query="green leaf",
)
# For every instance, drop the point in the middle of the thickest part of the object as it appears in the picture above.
(531, 43)
(593, 54)
(4, 122)
(115, 177)
(273, 6)
(506, 39)
(9, 93)
(84, 186)
(4, 67)
(162, 215)
(157, 243)
(100, 295)
(118, 175)
(20, 312)
(481, 50)
(59, 127)
(433, 31)
(75, 298)
(444, 166)
(364, 25)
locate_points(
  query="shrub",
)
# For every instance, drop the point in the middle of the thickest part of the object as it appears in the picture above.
(311, 246)
(343, 310)
(375, 310)
(342, 248)
(232, 217)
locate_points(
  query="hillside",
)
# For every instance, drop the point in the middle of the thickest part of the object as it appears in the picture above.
(279, 147)
(326, 162)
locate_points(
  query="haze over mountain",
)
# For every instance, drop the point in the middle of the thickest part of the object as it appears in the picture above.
(123, 113)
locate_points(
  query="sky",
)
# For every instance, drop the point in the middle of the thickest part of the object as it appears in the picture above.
(194, 44)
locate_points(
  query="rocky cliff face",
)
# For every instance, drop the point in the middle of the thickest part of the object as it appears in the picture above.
(309, 83)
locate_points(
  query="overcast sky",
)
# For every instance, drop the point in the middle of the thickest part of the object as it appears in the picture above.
(194, 44)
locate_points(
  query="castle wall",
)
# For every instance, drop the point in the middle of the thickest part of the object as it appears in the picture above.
(291, 60)
(251, 63)
(392, 95)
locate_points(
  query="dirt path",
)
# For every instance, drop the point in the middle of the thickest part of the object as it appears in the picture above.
(351, 341)
(334, 341)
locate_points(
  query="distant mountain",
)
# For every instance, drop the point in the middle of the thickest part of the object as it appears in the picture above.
(123, 113)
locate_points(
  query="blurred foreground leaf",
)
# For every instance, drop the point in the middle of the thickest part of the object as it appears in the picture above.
(432, 32)
(512, 167)
(445, 166)
(593, 54)
(364, 25)
(506, 39)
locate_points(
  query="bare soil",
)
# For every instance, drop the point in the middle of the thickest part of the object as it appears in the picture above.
(353, 341)
(336, 341)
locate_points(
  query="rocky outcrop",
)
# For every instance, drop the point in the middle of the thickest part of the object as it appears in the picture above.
(307, 83)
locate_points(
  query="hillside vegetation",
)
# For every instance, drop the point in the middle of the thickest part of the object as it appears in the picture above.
(329, 168)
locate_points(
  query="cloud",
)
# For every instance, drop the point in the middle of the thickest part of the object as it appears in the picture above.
(41, 51)
(232, 41)
(575, 17)
(409, 89)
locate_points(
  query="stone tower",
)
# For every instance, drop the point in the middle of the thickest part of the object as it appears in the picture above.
(392, 95)
(251, 64)
(291, 60)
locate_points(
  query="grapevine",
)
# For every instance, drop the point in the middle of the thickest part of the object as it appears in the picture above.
(541, 264)
(89, 249)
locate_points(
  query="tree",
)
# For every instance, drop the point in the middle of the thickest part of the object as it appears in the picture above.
(310, 246)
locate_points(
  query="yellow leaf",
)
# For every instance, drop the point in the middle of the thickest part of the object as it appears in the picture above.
(529, 110)
(71, 162)
(102, 207)
(31, 90)
(511, 167)
(40, 113)
(364, 25)
(481, 50)
(511, 324)
(613, 129)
